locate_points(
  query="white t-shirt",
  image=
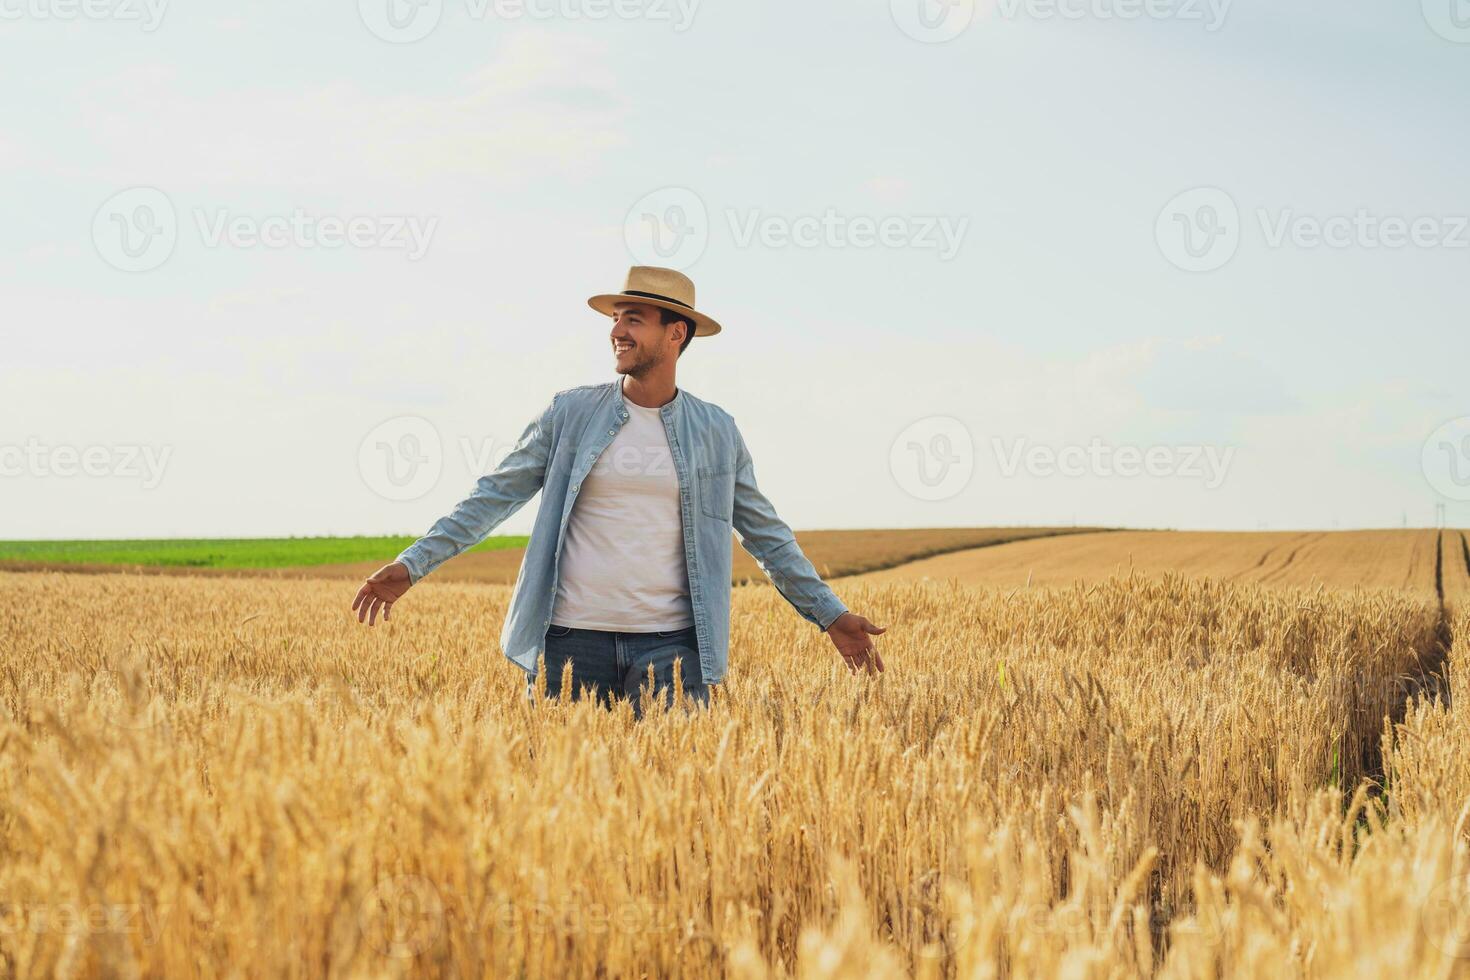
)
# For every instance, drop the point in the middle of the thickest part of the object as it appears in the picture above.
(622, 563)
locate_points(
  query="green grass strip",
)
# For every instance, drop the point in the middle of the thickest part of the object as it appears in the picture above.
(226, 552)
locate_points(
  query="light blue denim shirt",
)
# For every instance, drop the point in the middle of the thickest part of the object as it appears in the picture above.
(717, 493)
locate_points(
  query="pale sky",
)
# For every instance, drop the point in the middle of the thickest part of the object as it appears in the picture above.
(1020, 262)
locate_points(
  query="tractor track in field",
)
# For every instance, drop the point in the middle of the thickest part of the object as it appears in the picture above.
(1279, 571)
(1433, 679)
(1262, 560)
(1465, 552)
(1437, 669)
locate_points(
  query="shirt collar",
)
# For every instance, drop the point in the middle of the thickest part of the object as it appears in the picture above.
(669, 407)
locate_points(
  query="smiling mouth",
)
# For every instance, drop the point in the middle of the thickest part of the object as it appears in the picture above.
(622, 349)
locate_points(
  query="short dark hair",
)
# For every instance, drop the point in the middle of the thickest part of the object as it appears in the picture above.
(667, 316)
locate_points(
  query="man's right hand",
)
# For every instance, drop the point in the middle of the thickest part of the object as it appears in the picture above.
(381, 589)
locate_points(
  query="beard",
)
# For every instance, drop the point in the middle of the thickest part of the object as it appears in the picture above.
(643, 361)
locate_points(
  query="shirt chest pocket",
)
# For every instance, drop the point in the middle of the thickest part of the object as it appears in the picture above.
(717, 492)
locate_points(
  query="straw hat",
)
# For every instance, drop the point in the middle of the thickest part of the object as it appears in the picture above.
(663, 288)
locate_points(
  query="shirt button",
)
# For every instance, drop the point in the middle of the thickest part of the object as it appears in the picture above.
(612, 432)
(576, 487)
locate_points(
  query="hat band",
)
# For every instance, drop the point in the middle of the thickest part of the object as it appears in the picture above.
(666, 299)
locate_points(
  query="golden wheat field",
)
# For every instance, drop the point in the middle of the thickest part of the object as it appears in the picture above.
(207, 777)
(1138, 777)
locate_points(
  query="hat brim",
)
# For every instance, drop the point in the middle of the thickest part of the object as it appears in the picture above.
(704, 326)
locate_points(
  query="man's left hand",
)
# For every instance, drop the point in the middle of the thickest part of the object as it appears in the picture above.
(849, 633)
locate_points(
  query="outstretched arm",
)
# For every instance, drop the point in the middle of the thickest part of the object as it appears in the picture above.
(772, 543)
(496, 496)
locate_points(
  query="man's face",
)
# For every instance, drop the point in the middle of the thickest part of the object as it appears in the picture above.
(640, 340)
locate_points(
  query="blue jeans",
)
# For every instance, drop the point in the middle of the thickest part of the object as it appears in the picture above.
(614, 665)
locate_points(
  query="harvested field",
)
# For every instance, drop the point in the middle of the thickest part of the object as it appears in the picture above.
(1404, 561)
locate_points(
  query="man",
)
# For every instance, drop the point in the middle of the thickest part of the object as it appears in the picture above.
(628, 565)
